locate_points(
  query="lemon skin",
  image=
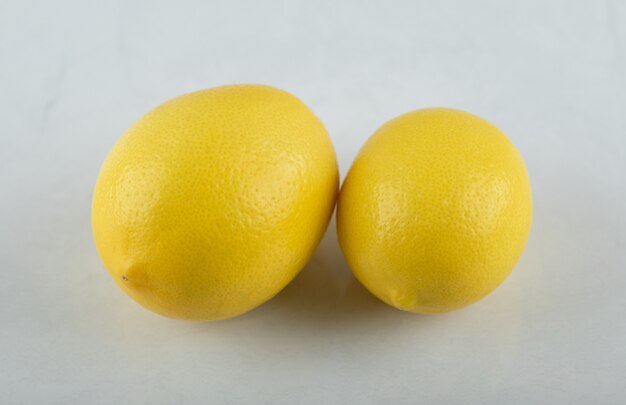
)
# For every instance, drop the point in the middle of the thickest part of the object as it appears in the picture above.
(212, 202)
(435, 210)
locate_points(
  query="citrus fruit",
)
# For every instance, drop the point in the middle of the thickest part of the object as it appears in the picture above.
(435, 210)
(212, 202)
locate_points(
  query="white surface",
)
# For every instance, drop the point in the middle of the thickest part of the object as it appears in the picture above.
(550, 74)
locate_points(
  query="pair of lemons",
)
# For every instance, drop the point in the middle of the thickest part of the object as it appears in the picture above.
(212, 202)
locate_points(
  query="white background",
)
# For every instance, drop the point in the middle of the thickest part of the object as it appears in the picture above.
(551, 75)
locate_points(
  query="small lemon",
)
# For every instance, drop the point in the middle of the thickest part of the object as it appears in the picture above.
(435, 210)
(212, 202)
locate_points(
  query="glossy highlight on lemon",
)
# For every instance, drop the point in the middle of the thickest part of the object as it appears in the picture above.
(435, 210)
(212, 202)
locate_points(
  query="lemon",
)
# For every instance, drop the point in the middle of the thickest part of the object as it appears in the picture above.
(212, 202)
(435, 210)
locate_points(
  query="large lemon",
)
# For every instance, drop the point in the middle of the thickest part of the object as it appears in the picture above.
(435, 211)
(212, 202)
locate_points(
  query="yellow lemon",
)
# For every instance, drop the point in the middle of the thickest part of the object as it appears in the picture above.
(212, 202)
(435, 211)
